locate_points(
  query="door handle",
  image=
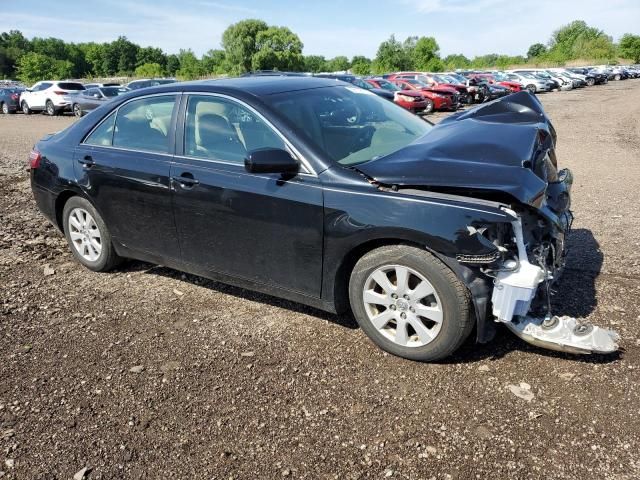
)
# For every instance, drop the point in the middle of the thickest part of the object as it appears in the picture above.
(87, 161)
(185, 182)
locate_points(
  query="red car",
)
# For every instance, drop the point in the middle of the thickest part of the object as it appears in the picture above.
(413, 101)
(497, 79)
(435, 80)
(442, 99)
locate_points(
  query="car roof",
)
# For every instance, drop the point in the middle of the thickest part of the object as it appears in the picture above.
(258, 85)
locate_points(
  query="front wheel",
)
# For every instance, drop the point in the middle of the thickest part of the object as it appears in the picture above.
(428, 105)
(77, 110)
(532, 89)
(25, 108)
(409, 303)
(88, 236)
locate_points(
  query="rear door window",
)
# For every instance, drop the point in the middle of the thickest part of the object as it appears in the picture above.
(103, 134)
(144, 124)
(70, 86)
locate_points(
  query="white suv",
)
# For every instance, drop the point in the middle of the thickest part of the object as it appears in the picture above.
(50, 96)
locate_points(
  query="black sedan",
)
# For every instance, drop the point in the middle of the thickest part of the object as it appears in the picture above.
(323, 193)
(91, 98)
(10, 99)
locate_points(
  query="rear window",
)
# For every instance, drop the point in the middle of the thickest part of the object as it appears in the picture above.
(70, 86)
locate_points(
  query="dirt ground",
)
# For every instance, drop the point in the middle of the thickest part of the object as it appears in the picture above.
(149, 373)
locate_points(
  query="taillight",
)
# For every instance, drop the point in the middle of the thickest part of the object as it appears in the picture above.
(59, 92)
(34, 159)
(15, 96)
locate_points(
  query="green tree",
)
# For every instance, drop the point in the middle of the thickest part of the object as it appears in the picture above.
(190, 66)
(579, 40)
(173, 64)
(361, 65)
(149, 70)
(425, 53)
(338, 64)
(239, 43)
(13, 45)
(392, 56)
(215, 61)
(629, 47)
(455, 61)
(315, 63)
(151, 55)
(277, 48)
(536, 50)
(33, 67)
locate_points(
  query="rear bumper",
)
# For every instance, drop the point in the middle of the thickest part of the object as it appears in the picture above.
(45, 200)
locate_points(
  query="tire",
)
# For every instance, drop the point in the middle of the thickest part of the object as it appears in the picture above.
(50, 108)
(447, 303)
(591, 82)
(4, 108)
(25, 108)
(532, 89)
(617, 77)
(107, 258)
(77, 110)
(429, 106)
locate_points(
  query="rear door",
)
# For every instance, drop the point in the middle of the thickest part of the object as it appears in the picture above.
(124, 167)
(258, 227)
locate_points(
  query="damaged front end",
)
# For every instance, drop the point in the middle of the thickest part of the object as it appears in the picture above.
(504, 152)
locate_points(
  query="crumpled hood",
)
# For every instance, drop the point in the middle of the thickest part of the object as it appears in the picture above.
(492, 147)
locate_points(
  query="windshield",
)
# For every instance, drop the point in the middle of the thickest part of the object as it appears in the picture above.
(386, 85)
(349, 125)
(500, 77)
(439, 78)
(362, 84)
(417, 83)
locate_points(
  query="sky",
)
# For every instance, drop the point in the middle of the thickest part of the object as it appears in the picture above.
(326, 27)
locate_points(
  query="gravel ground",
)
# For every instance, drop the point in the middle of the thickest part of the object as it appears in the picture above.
(149, 373)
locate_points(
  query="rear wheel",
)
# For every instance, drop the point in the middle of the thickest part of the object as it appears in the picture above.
(617, 77)
(50, 108)
(591, 82)
(25, 108)
(409, 303)
(88, 236)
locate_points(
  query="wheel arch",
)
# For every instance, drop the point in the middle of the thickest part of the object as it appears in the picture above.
(62, 199)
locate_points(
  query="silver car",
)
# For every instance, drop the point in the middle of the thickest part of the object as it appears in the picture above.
(531, 82)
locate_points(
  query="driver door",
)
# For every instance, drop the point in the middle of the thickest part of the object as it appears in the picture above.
(261, 228)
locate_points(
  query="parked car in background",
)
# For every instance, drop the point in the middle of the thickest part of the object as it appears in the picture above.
(496, 78)
(150, 82)
(597, 77)
(49, 96)
(478, 89)
(531, 82)
(358, 82)
(409, 99)
(434, 86)
(442, 99)
(10, 99)
(91, 98)
(315, 191)
(439, 80)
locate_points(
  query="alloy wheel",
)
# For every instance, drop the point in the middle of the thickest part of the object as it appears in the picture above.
(85, 234)
(402, 305)
(5, 108)
(50, 108)
(77, 111)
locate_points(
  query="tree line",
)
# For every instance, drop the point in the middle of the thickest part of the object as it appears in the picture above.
(254, 45)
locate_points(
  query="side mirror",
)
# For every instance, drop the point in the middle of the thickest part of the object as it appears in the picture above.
(271, 160)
